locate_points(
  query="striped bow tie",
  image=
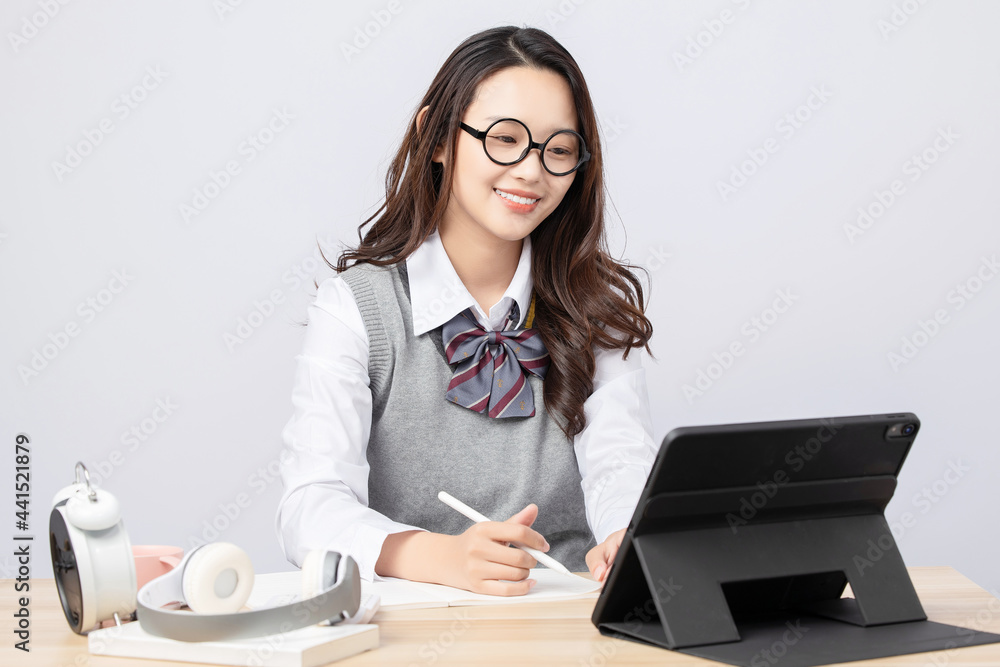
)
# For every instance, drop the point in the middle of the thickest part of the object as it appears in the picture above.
(489, 372)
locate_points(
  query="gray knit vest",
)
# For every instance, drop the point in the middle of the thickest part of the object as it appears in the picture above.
(421, 444)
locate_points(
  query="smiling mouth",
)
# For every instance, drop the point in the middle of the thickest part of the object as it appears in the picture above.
(515, 198)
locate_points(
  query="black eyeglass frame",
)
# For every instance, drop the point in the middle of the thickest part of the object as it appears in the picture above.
(482, 134)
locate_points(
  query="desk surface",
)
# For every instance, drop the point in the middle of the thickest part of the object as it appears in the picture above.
(541, 633)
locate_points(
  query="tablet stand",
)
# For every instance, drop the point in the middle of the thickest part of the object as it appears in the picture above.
(700, 575)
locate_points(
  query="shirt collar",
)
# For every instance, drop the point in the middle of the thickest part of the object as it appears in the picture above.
(437, 294)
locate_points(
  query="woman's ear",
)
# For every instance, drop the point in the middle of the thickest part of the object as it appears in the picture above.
(439, 151)
(420, 118)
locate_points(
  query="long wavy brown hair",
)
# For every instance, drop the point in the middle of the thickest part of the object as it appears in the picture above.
(579, 288)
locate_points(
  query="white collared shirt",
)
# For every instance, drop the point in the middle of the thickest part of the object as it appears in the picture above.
(324, 466)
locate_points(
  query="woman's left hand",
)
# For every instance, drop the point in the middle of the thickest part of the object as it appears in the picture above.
(600, 558)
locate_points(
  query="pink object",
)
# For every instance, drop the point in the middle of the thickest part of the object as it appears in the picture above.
(151, 561)
(154, 560)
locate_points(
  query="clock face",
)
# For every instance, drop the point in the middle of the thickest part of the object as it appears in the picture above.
(64, 570)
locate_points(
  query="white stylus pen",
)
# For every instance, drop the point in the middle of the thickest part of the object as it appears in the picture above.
(542, 558)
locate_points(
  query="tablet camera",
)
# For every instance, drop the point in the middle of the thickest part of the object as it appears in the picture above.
(903, 430)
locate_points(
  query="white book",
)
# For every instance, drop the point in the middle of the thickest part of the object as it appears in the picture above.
(283, 587)
(310, 646)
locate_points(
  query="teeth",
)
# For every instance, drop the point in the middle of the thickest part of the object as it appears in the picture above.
(514, 198)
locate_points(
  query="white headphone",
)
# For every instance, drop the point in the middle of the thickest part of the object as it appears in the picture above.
(215, 580)
(95, 574)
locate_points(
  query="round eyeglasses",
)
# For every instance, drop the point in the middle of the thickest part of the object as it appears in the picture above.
(508, 141)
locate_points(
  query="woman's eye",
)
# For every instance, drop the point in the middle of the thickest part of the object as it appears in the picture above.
(504, 138)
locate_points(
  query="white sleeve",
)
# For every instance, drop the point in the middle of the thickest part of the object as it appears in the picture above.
(323, 462)
(615, 450)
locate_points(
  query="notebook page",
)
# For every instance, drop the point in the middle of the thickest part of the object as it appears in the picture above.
(283, 587)
(404, 594)
(551, 586)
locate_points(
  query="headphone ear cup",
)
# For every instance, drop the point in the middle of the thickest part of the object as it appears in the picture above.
(218, 579)
(319, 572)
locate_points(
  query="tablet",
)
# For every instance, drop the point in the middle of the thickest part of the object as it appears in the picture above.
(779, 452)
(760, 517)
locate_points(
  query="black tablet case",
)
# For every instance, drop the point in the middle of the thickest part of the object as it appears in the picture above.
(746, 535)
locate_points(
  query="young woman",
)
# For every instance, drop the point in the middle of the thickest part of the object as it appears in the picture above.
(478, 344)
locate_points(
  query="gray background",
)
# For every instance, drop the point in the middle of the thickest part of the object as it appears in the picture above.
(673, 129)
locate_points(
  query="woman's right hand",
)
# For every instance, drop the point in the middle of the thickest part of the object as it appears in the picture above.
(474, 561)
(480, 557)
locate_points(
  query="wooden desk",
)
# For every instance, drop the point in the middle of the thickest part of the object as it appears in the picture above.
(552, 633)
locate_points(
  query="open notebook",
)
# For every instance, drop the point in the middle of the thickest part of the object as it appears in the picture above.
(283, 587)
